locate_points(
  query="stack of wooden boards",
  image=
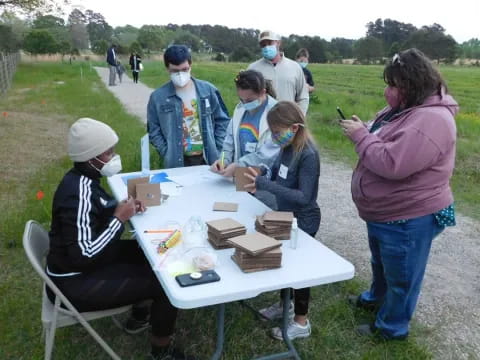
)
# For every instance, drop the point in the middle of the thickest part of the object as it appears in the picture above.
(276, 224)
(256, 252)
(219, 231)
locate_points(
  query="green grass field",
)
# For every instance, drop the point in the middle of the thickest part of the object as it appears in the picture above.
(35, 116)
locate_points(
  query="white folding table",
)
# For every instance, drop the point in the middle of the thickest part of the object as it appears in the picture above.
(311, 264)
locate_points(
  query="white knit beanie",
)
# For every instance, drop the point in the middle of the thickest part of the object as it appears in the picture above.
(89, 138)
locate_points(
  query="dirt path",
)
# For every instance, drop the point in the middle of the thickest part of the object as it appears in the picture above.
(450, 301)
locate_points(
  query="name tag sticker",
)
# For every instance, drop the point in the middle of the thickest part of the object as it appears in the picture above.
(250, 147)
(207, 103)
(283, 171)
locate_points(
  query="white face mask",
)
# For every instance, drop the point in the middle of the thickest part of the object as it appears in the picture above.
(181, 78)
(114, 166)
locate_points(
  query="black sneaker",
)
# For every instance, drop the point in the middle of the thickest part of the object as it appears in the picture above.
(134, 326)
(169, 353)
(371, 330)
(355, 300)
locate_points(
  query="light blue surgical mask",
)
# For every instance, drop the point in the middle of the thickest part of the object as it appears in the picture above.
(303, 64)
(252, 105)
(269, 52)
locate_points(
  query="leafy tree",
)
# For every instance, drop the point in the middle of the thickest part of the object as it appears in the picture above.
(100, 47)
(341, 48)
(187, 38)
(470, 49)
(40, 42)
(433, 41)
(8, 41)
(54, 25)
(97, 27)
(78, 29)
(389, 32)
(241, 54)
(136, 48)
(19, 29)
(28, 6)
(368, 49)
(152, 37)
(125, 35)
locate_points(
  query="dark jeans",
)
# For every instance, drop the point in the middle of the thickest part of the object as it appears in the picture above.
(128, 279)
(193, 160)
(399, 258)
(135, 76)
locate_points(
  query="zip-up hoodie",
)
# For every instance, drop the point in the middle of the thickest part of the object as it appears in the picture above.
(404, 168)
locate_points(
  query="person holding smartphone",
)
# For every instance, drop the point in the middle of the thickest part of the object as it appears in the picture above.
(401, 186)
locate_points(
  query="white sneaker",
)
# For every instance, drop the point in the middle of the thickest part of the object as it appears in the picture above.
(275, 311)
(294, 331)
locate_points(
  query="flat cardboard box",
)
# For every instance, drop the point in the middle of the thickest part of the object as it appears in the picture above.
(254, 243)
(278, 217)
(240, 179)
(149, 194)
(225, 206)
(223, 225)
(132, 185)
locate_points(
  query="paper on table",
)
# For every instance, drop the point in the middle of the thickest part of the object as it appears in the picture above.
(171, 189)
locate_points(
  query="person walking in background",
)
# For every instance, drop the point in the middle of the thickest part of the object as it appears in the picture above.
(401, 186)
(302, 58)
(186, 117)
(249, 141)
(294, 182)
(112, 64)
(286, 76)
(120, 71)
(135, 61)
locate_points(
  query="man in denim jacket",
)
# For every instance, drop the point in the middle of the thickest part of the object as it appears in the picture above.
(186, 117)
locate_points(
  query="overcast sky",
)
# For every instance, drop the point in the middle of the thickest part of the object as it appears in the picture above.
(327, 19)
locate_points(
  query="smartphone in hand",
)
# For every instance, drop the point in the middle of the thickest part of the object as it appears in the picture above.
(341, 113)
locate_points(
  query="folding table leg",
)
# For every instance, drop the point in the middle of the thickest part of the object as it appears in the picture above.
(292, 352)
(220, 331)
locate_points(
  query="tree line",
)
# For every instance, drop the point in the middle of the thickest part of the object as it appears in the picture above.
(45, 33)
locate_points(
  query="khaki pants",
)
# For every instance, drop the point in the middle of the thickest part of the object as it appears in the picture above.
(113, 71)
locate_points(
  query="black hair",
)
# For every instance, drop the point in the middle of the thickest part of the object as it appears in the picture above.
(176, 55)
(413, 73)
(254, 80)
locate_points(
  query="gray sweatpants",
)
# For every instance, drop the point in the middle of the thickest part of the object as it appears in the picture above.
(113, 71)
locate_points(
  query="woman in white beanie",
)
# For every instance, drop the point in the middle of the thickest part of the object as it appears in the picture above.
(87, 260)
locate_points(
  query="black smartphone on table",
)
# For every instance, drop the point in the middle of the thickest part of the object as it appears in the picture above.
(340, 112)
(197, 278)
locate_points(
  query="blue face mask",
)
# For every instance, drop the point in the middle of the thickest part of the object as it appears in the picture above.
(252, 105)
(269, 52)
(303, 64)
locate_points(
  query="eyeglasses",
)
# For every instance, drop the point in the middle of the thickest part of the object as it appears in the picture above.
(396, 60)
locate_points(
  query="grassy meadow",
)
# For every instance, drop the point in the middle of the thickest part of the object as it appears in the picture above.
(34, 118)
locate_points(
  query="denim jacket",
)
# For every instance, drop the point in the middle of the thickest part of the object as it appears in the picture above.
(165, 122)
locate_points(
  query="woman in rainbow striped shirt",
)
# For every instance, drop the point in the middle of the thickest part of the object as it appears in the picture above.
(249, 141)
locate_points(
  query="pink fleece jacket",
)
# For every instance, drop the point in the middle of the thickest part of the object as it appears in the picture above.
(404, 168)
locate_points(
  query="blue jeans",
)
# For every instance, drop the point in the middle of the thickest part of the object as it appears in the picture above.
(399, 258)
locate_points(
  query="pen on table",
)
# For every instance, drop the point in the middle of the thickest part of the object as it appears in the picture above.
(158, 231)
